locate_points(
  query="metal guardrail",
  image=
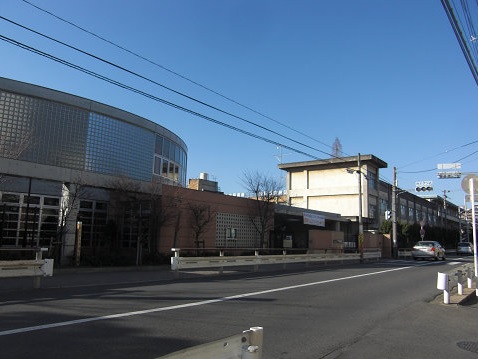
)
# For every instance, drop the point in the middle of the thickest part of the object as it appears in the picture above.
(35, 268)
(247, 345)
(178, 262)
(404, 253)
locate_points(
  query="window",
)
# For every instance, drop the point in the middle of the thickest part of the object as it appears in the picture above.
(372, 180)
(158, 147)
(157, 165)
(231, 233)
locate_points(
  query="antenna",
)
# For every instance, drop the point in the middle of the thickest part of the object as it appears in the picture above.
(337, 148)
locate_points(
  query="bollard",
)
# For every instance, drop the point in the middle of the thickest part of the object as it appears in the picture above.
(469, 277)
(476, 286)
(442, 284)
(459, 284)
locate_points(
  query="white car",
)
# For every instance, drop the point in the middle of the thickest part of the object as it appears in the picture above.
(428, 249)
(464, 248)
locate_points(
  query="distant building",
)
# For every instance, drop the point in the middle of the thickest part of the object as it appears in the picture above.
(333, 185)
(203, 183)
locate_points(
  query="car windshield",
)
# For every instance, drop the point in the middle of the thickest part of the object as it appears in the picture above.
(425, 243)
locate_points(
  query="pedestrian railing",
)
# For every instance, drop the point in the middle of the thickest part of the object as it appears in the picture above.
(35, 268)
(247, 345)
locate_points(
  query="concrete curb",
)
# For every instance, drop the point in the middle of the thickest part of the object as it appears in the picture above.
(469, 294)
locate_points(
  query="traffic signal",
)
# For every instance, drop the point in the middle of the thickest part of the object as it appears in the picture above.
(427, 188)
(423, 186)
(388, 215)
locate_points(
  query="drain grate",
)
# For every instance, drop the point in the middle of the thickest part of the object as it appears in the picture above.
(470, 346)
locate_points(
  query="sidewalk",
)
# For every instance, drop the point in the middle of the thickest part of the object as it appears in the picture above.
(469, 294)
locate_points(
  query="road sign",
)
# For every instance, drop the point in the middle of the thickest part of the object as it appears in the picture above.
(449, 170)
(465, 183)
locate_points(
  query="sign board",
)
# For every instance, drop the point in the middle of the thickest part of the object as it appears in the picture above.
(424, 184)
(468, 198)
(314, 219)
(449, 166)
(449, 170)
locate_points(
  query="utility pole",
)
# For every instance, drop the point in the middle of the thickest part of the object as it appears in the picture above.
(444, 208)
(360, 219)
(394, 213)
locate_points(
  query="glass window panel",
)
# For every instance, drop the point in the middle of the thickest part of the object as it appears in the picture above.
(10, 198)
(165, 168)
(32, 199)
(157, 165)
(166, 145)
(171, 170)
(158, 148)
(86, 204)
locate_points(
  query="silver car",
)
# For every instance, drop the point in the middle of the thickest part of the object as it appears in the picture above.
(428, 249)
(464, 248)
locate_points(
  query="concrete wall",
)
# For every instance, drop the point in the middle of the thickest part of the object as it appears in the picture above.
(321, 240)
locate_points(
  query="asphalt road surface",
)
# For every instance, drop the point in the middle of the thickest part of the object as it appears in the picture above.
(385, 309)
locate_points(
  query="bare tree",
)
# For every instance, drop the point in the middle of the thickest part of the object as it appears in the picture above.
(166, 209)
(15, 147)
(267, 191)
(72, 192)
(202, 215)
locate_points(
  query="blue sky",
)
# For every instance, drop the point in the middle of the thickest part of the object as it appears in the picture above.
(386, 78)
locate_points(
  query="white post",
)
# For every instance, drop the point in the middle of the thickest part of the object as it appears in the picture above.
(468, 277)
(472, 198)
(442, 283)
(460, 284)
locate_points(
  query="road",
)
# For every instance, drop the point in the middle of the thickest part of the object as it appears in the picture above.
(380, 309)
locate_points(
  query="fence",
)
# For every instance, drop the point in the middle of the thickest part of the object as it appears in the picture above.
(178, 262)
(247, 345)
(35, 268)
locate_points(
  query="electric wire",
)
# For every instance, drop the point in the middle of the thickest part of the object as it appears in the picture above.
(147, 95)
(172, 72)
(466, 10)
(161, 85)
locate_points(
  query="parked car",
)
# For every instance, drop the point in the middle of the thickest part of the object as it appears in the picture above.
(428, 249)
(464, 248)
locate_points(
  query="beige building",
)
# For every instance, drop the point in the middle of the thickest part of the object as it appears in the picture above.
(334, 185)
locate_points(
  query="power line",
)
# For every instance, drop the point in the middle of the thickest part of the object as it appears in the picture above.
(174, 73)
(148, 95)
(161, 85)
(465, 48)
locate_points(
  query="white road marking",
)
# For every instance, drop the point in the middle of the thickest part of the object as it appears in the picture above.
(188, 305)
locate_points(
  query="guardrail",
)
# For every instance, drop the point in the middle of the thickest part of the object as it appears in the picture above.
(221, 261)
(35, 268)
(247, 345)
(404, 253)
